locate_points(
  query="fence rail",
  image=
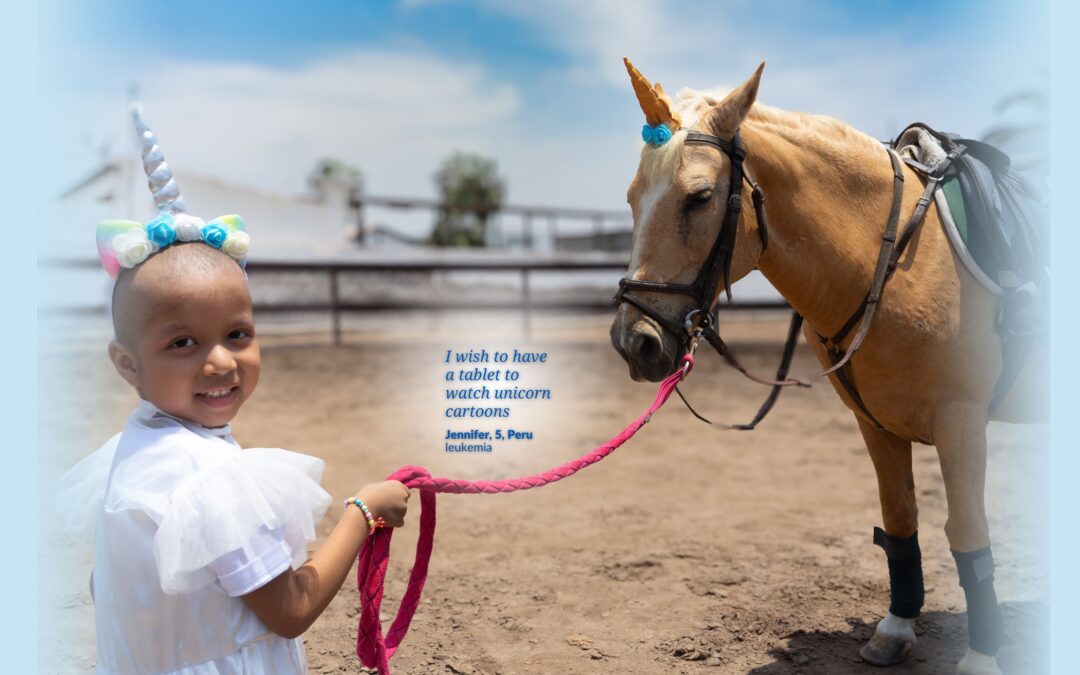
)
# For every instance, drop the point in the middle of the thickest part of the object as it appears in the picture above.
(601, 238)
(336, 306)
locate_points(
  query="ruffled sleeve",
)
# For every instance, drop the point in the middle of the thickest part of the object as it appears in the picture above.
(81, 491)
(241, 521)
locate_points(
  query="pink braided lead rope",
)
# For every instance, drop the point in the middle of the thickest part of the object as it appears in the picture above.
(375, 651)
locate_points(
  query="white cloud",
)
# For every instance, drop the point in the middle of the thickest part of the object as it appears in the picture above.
(889, 73)
(396, 112)
(598, 34)
(392, 114)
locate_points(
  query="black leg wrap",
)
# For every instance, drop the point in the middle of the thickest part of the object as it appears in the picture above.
(986, 628)
(906, 591)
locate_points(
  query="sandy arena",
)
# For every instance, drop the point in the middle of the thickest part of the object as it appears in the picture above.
(689, 550)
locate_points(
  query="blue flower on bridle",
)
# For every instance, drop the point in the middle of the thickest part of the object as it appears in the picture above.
(655, 135)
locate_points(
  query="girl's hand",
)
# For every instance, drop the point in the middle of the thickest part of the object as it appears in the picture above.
(388, 500)
(290, 603)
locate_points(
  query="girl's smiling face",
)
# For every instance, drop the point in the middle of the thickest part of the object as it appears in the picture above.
(193, 351)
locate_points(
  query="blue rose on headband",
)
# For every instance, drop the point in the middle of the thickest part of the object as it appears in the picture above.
(160, 230)
(647, 134)
(214, 234)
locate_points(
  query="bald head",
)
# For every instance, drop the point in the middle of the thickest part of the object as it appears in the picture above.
(177, 274)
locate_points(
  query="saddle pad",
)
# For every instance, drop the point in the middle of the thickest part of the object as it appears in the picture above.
(950, 206)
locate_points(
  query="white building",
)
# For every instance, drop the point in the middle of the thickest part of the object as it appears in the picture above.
(313, 224)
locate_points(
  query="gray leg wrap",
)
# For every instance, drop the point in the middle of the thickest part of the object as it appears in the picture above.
(986, 628)
(906, 591)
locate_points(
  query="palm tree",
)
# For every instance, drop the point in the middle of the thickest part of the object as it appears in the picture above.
(471, 191)
(1027, 142)
(330, 170)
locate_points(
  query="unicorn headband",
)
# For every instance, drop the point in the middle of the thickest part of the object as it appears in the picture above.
(123, 244)
(661, 118)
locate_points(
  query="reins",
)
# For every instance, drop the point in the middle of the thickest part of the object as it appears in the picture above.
(373, 649)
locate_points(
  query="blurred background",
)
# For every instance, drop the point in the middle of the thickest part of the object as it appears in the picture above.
(422, 175)
(426, 155)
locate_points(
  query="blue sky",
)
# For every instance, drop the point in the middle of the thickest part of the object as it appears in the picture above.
(256, 91)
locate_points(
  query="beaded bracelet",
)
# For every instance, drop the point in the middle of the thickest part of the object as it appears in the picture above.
(367, 513)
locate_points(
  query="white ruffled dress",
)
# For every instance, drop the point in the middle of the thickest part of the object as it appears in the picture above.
(184, 522)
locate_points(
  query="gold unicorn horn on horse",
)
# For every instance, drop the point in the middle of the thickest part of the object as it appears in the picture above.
(654, 102)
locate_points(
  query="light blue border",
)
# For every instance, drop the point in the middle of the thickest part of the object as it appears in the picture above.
(19, 53)
(18, 344)
(1064, 445)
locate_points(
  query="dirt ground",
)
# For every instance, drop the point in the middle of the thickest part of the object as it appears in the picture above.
(689, 550)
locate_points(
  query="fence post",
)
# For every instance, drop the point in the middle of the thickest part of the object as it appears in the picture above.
(527, 235)
(526, 303)
(335, 309)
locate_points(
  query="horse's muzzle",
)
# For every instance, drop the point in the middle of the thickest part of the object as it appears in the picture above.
(651, 354)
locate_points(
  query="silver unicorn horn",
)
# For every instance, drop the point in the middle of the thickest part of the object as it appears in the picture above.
(158, 173)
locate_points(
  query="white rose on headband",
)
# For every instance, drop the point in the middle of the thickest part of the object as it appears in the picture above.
(188, 228)
(133, 247)
(237, 244)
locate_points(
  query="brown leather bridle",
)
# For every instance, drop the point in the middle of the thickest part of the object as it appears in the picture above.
(701, 321)
(717, 267)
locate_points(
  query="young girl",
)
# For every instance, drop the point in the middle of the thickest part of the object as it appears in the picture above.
(200, 547)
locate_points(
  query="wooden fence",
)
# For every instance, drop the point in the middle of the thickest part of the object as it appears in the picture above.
(336, 306)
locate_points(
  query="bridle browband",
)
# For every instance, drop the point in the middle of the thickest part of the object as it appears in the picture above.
(701, 322)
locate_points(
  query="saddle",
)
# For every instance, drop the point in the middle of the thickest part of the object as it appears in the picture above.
(998, 222)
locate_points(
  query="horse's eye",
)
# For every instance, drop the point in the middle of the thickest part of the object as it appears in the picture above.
(700, 198)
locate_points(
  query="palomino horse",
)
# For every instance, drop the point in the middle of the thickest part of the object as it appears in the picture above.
(926, 370)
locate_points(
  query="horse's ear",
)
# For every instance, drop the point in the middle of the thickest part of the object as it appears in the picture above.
(727, 115)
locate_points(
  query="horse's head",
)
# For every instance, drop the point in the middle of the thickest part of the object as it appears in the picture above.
(679, 198)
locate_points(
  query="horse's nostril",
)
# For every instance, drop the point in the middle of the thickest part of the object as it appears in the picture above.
(647, 347)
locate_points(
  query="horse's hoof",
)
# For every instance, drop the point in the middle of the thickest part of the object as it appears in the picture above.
(891, 643)
(975, 663)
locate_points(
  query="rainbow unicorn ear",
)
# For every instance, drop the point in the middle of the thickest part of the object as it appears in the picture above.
(230, 235)
(118, 240)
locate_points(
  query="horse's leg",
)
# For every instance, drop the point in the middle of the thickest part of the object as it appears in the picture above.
(960, 437)
(894, 636)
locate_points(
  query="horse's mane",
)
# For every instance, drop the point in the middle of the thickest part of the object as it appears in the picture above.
(827, 136)
(798, 127)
